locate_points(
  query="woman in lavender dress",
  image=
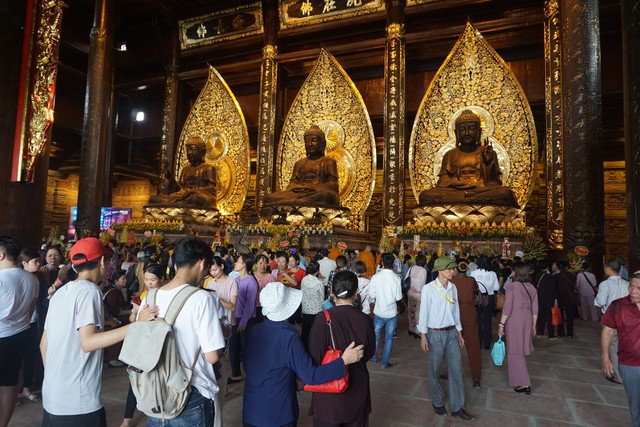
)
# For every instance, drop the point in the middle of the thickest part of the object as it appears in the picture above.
(519, 317)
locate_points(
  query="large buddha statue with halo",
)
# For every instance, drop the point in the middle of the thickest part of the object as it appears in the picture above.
(470, 173)
(314, 181)
(197, 181)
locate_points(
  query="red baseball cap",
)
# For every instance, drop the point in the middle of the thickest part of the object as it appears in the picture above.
(87, 249)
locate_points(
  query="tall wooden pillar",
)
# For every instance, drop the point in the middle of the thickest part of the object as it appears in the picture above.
(394, 115)
(631, 84)
(268, 92)
(97, 117)
(554, 137)
(22, 212)
(169, 114)
(582, 127)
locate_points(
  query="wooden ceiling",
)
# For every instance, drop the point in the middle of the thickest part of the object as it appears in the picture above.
(514, 28)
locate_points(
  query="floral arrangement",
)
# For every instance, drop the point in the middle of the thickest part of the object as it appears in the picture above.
(142, 226)
(533, 246)
(453, 231)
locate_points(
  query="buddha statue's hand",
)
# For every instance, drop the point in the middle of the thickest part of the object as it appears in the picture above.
(463, 186)
(301, 190)
(487, 151)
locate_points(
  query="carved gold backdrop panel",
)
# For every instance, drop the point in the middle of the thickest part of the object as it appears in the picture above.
(329, 99)
(216, 118)
(474, 76)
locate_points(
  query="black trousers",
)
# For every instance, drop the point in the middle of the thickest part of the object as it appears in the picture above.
(544, 317)
(236, 344)
(93, 419)
(485, 315)
(568, 314)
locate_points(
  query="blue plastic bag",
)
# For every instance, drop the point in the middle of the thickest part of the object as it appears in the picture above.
(498, 351)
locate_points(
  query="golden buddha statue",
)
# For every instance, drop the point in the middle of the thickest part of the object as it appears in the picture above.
(314, 181)
(197, 181)
(470, 173)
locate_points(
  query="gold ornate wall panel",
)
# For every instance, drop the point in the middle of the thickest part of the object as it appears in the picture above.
(474, 76)
(329, 99)
(217, 118)
(294, 13)
(554, 117)
(615, 210)
(229, 24)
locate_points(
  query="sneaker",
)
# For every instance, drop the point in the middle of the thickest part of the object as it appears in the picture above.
(476, 384)
(462, 414)
(395, 334)
(388, 365)
(439, 410)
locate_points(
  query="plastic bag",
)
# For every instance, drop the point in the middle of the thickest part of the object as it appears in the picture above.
(556, 316)
(498, 351)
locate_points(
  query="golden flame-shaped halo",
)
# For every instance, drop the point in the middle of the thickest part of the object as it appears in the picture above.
(329, 98)
(216, 117)
(473, 76)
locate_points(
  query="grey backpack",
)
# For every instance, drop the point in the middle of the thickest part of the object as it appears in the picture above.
(159, 379)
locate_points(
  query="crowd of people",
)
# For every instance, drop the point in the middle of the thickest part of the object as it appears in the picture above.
(264, 320)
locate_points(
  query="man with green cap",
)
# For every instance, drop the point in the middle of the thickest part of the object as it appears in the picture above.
(441, 337)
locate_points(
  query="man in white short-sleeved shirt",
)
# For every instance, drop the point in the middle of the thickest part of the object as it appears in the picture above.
(18, 295)
(73, 340)
(197, 331)
(386, 290)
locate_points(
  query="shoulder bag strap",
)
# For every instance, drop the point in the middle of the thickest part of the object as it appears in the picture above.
(177, 303)
(588, 280)
(529, 295)
(328, 317)
(486, 291)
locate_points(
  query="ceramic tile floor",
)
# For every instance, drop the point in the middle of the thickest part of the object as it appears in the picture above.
(568, 390)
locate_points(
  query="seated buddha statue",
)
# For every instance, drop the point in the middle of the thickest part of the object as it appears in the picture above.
(314, 180)
(197, 181)
(470, 173)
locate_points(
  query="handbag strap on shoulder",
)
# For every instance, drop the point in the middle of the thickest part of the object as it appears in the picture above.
(328, 317)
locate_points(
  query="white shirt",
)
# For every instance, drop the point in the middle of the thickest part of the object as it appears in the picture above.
(312, 294)
(615, 287)
(363, 290)
(385, 289)
(326, 267)
(439, 307)
(197, 330)
(18, 294)
(72, 378)
(486, 279)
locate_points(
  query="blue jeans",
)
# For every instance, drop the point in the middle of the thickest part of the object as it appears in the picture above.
(198, 412)
(631, 380)
(391, 324)
(445, 345)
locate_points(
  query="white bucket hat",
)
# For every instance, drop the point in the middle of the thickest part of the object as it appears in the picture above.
(279, 302)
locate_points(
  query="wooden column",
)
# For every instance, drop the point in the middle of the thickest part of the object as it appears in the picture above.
(168, 143)
(582, 128)
(554, 137)
(394, 116)
(267, 113)
(96, 120)
(631, 84)
(23, 203)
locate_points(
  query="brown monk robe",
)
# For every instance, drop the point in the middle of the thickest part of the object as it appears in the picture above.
(469, 319)
(314, 180)
(197, 180)
(470, 173)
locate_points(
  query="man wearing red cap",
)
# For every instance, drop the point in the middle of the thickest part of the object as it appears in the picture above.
(72, 342)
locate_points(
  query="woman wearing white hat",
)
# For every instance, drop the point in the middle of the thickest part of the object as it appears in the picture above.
(275, 355)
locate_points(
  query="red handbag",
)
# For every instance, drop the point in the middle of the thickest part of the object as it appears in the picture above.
(335, 386)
